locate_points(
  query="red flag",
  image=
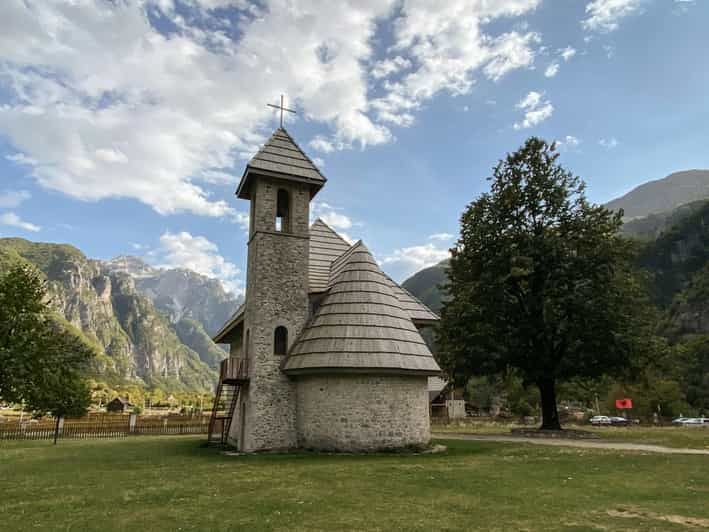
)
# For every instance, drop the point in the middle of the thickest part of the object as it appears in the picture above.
(623, 404)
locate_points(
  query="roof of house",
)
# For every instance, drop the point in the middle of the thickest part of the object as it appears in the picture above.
(436, 386)
(360, 325)
(328, 250)
(281, 157)
(121, 400)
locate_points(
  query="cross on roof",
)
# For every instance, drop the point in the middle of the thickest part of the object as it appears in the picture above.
(282, 108)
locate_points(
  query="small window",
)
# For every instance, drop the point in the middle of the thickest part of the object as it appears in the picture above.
(282, 211)
(280, 341)
(246, 343)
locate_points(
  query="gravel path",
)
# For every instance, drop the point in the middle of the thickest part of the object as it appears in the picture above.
(583, 444)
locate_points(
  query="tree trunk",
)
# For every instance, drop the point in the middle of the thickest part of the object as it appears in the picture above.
(550, 414)
(56, 430)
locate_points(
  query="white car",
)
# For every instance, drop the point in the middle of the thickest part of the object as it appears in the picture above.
(695, 421)
(600, 420)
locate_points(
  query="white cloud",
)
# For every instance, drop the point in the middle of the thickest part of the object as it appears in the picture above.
(684, 5)
(532, 100)
(322, 144)
(441, 236)
(568, 142)
(387, 67)
(331, 215)
(552, 70)
(11, 219)
(110, 155)
(604, 15)
(12, 198)
(242, 219)
(536, 110)
(609, 143)
(406, 261)
(21, 159)
(567, 53)
(446, 44)
(109, 107)
(103, 105)
(184, 250)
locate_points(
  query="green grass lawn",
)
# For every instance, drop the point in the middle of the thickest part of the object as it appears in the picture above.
(685, 437)
(171, 483)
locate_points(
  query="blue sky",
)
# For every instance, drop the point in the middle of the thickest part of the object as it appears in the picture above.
(125, 126)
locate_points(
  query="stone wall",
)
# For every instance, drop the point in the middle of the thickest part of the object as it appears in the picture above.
(276, 295)
(362, 412)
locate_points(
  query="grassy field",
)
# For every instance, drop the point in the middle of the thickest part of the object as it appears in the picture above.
(172, 483)
(686, 437)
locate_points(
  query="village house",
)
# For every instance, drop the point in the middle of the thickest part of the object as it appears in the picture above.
(119, 405)
(325, 352)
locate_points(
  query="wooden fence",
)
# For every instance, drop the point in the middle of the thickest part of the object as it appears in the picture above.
(103, 426)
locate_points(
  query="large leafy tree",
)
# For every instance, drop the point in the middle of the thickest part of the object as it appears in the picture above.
(539, 281)
(42, 360)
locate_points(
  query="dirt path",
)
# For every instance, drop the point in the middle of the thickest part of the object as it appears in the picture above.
(583, 444)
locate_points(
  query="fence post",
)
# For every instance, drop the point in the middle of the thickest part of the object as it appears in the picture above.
(59, 428)
(131, 422)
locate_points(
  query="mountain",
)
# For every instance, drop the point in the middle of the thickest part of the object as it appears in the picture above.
(140, 343)
(180, 293)
(651, 226)
(425, 285)
(678, 256)
(649, 210)
(663, 195)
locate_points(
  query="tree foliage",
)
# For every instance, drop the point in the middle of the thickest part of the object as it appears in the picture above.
(42, 360)
(540, 281)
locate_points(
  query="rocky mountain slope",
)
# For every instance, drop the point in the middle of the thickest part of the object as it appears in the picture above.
(180, 293)
(169, 350)
(664, 194)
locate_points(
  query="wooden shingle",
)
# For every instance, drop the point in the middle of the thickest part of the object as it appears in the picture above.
(360, 325)
(281, 157)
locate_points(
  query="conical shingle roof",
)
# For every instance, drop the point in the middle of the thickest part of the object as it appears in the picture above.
(281, 157)
(327, 248)
(360, 325)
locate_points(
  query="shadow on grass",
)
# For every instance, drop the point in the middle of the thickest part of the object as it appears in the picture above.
(454, 448)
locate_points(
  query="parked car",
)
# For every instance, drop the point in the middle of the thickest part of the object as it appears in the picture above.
(693, 421)
(679, 420)
(600, 420)
(617, 420)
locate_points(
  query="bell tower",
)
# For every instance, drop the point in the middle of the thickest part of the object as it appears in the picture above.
(279, 182)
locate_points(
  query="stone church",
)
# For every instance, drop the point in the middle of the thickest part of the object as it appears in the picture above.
(325, 352)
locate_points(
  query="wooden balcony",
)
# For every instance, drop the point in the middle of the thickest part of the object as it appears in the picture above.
(234, 370)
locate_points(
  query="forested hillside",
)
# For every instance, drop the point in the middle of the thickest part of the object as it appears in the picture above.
(135, 341)
(673, 254)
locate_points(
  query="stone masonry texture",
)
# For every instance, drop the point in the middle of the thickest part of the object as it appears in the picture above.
(352, 413)
(276, 295)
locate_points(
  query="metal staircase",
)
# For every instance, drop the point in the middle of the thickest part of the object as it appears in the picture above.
(233, 375)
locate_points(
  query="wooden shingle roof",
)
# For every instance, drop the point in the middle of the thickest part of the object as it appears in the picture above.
(325, 246)
(360, 326)
(281, 157)
(328, 255)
